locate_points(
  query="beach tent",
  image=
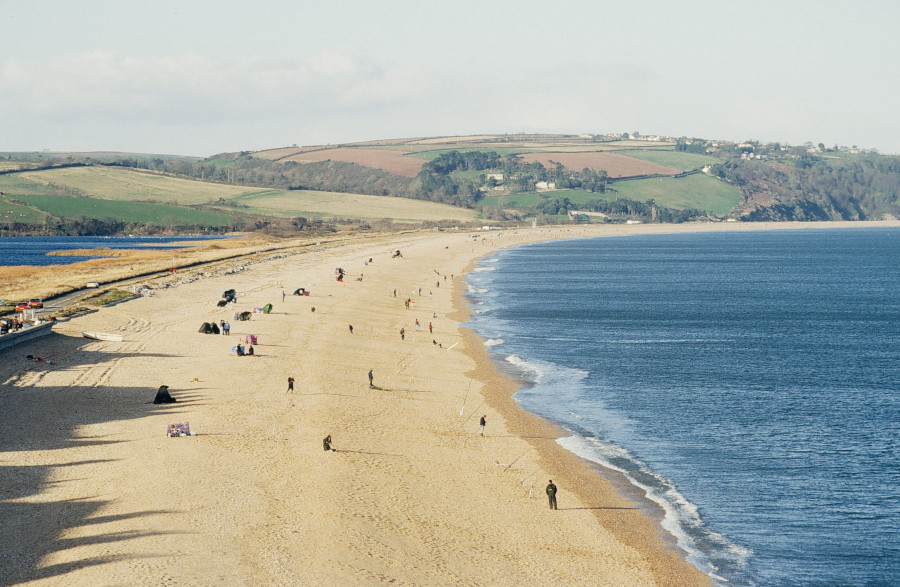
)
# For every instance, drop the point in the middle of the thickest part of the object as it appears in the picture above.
(267, 308)
(301, 291)
(205, 329)
(244, 315)
(229, 293)
(222, 303)
(163, 397)
(214, 327)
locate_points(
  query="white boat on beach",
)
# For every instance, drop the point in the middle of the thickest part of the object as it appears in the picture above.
(102, 336)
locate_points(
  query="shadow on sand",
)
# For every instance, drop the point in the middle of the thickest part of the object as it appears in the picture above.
(46, 418)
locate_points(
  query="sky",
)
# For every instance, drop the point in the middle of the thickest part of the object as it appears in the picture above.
(204, 77)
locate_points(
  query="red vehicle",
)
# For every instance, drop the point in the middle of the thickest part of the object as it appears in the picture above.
(22, 306)
(36, 303)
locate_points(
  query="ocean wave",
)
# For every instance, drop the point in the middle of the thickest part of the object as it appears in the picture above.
(475, 290)
(481, 269)
(706, 549)
(547, 374)
(493, 342)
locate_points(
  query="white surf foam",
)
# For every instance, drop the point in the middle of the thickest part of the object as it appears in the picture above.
(681, 518)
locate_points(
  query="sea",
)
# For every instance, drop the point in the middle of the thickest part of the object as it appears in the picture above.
(32, 250)
(748, 383)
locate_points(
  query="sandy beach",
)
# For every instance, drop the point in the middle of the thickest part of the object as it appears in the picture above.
(94, 492)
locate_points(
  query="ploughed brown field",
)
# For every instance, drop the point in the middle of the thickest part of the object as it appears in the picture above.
(398, 157)
(614, 165)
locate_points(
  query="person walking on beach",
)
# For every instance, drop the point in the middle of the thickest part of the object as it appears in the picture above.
(402, 334)
(371, 378)
(551, 494)
(429, 328)
(291, 383)
(351, 328)
(482, 423)
(282, 296)
(417, 324)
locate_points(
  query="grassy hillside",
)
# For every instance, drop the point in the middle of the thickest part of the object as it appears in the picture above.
(14, 212)
(327, 205)
(676, 159)
(118, 183)
(133, 196)
(694, 191)
(140, 212)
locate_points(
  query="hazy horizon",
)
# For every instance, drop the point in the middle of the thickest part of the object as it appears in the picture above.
(207, 77)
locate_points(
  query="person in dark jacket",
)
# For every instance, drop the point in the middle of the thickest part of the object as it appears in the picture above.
(551, 494)
(162, 396)
(326, 444)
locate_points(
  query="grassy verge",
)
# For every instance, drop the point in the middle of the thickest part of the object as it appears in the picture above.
(109, 297)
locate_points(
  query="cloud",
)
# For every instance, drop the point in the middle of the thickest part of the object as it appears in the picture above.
(198, 89)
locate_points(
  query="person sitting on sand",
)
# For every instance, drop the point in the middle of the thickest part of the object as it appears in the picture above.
(250, 351)
(163, 396)
(326, 444)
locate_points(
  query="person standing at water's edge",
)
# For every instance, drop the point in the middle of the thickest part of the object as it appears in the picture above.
(551, 494)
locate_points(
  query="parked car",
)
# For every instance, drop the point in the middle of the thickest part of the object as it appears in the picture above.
(21, 306)
(36, 303)
(93, 284)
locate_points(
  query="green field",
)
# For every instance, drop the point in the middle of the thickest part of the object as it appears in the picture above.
(676, 159)
(16, 183)
(127, 195)
(694, 191)
(14, 212)
(315, 204)
(142, 212)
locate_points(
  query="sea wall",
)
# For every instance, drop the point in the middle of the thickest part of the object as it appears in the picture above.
(28, 333)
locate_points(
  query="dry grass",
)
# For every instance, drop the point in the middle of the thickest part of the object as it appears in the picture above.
(25, 282)
(4, 165)
(114, 183)
(338, 205)
(97, 252)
